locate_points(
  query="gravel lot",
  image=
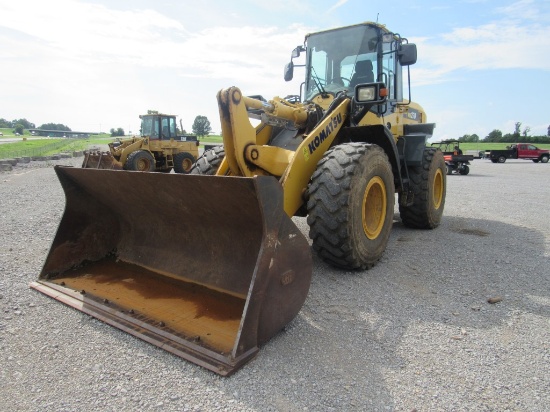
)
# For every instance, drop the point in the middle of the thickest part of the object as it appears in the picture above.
(415, 332)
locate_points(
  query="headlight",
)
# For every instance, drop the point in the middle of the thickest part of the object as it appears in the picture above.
(366, 94)
(371, 93)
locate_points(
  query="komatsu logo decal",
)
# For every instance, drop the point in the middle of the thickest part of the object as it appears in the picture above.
(320, 138)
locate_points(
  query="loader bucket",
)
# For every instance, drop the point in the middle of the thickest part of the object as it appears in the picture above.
(206, 267)
(100, 160)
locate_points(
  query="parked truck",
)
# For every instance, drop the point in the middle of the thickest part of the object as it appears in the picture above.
(525, 151)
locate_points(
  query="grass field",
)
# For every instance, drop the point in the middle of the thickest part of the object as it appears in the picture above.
(48, 146)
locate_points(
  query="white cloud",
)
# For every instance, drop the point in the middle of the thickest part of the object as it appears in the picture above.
(338, 4)
(525, 10)
(497, 45)
(92, 55)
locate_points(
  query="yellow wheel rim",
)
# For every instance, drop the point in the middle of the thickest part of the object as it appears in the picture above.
(142, 165)
(374, 207)
(438, 188)
(186, 164)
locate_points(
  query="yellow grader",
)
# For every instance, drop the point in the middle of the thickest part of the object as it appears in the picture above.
(210, 265)
(158, 149)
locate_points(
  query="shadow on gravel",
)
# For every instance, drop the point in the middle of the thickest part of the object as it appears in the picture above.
(358, 334)
(428, 295)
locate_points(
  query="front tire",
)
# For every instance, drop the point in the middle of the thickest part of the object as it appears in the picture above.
(141, 161)
(183, 162)
(544, 159)
(429, 185)
(465, 170)
(351, 205)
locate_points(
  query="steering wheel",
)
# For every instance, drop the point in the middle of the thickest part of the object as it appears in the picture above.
(341, 80)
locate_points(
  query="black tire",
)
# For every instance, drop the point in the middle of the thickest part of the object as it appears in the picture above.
(494, 160)
(501, 159)
(351, 205)
(209, 162)
(449, 170)
(535, 160)
(429, 185)
(544, 159)
(141, 161)
(183, 162)
(465, 170)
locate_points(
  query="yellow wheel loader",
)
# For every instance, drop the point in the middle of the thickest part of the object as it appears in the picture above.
(210, 265)
(158, 149)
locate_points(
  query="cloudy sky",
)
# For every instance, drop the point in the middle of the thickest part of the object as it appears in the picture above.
(97, 64)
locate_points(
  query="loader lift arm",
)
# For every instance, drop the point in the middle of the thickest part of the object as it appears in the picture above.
(247, 151)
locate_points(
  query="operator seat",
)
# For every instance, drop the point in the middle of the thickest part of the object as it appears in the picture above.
(363, 73)
(165, 134)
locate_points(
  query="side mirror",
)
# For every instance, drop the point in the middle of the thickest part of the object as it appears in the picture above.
(289, 71)
(407, 54)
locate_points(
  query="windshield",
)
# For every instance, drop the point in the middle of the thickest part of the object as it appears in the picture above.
(155, 126)
(341, 59)
(149, 126)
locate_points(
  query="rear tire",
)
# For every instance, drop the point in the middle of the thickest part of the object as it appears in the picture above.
(209, 162)
(429, 185)
(501, 159)
(351, 205)
(449, 170)
(183, 162)
(141, 161)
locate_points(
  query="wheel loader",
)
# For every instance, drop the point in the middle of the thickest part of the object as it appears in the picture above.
(159, 148)
(210, 265)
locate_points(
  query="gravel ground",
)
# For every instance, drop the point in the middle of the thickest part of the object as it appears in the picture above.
(414, 333)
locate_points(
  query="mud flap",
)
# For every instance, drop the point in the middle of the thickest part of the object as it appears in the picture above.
(206, 267)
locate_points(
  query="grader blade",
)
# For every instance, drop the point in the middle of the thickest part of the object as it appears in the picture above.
(206, 267)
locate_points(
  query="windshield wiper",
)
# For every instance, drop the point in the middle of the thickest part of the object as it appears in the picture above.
(317, 81)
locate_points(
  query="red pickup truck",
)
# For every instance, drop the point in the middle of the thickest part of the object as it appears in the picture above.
(525, 151)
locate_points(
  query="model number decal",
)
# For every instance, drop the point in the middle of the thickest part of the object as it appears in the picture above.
(412, 114)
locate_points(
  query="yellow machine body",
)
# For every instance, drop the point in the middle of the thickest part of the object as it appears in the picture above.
(210, 265)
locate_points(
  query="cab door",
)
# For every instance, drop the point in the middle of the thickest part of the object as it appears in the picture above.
(531, 151)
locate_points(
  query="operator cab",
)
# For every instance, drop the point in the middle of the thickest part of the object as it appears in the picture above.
(158, 126)
(339, 60)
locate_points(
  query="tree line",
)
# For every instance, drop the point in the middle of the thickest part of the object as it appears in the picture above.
(518, 136)
(18, 125)
(201, 126)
